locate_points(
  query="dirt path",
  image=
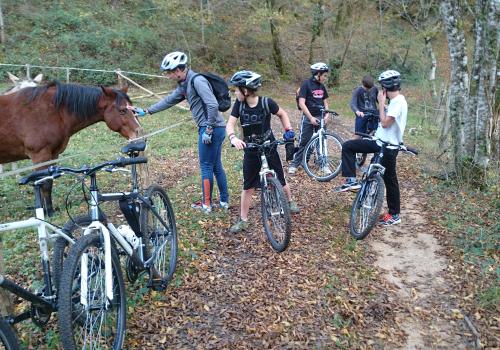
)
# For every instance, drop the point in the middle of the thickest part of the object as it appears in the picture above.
(322, 293)
(409, 256)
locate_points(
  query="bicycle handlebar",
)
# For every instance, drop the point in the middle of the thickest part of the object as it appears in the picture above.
(401, 147)
(54, 172)
(266, 144)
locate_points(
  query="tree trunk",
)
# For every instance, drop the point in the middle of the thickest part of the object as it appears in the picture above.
(2, 28)
(432, 71)
(277, 56)
(487, 17)
(317, 27)
(459, 79)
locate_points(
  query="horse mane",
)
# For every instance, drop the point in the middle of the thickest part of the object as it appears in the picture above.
(79, 100)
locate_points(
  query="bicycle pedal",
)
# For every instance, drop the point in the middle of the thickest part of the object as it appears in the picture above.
(157, 285)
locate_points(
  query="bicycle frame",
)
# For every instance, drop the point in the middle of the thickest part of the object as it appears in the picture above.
(110, 230)
(46, 232)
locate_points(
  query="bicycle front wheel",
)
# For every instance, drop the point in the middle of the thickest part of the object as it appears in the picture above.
(101, 323)
(322, 156)
(367, 206)
(160, 239)
(8, 338)
(276, 215)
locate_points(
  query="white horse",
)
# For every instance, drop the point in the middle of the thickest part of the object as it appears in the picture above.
(21, 84)
(18, 85)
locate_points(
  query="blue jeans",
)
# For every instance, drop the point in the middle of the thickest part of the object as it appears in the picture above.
(211, 164)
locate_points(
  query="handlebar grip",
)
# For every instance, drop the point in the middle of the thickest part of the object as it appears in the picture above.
(412, 150)
(129, 161)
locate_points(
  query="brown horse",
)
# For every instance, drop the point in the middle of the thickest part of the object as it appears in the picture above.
(37, 122)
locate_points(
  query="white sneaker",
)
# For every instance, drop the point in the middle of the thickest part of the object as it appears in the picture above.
(292, 170)
(224, 205)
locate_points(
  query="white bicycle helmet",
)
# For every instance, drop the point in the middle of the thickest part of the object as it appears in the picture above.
(390, 80)
(246, 79)
(319, 67)
(173, 60)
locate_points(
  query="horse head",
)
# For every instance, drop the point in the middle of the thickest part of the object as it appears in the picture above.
(117, 114)
(21, 84)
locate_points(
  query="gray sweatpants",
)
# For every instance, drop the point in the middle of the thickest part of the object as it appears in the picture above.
(306, 131)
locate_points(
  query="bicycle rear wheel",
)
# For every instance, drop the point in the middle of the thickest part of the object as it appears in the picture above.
(276, 215)
(100, 324)
(160, 239)
(367, 206)
(8, 338)
(323, 163)
(73, 228)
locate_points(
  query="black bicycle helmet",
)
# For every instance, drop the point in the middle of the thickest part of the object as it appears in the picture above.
(390, 80)
(319, 67)
(246, 79)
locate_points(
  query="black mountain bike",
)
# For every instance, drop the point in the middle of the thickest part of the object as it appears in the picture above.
(372, 120)
(368, 202)
(276, 216)
(323, 153)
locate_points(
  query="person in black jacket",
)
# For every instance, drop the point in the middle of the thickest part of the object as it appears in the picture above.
(364, 99)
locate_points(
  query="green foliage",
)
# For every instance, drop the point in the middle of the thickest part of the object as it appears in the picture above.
(134, 36)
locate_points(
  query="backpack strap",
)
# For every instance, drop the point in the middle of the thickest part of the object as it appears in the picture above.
(240, 111)
(202, 103)
(265, 105)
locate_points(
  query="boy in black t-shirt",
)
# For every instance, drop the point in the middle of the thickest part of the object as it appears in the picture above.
(254, 113)
(312, 97)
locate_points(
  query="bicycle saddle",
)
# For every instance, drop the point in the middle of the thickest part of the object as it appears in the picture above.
(136, 146)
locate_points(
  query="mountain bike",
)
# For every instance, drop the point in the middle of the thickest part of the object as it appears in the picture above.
(372, 120)
(368, 202)
(141, 220)
(276, 216)
(92, 290)
(323, 153)
(8, 338)
(45, 301)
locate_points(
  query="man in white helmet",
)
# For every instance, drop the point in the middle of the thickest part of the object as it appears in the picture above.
(211, 125)
(311, 97)
(391, 129)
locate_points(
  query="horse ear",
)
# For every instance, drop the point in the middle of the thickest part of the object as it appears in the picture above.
(108, 91)
(38, 78)
(125, 89)
(12, 77)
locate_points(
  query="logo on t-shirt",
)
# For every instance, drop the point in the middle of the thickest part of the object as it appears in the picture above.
(318, 93)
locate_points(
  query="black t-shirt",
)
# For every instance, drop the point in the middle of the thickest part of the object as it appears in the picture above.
(255, 120)
(315, 93)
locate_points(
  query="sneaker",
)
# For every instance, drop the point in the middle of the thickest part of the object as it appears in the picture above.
(326, 170)
(292, 170)
(241, 225)
(224, 205)
(200, 206)
(294, 208)
(388, 219)
(349, 186)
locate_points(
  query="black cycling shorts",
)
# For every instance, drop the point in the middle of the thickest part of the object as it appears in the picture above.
(251, 168)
